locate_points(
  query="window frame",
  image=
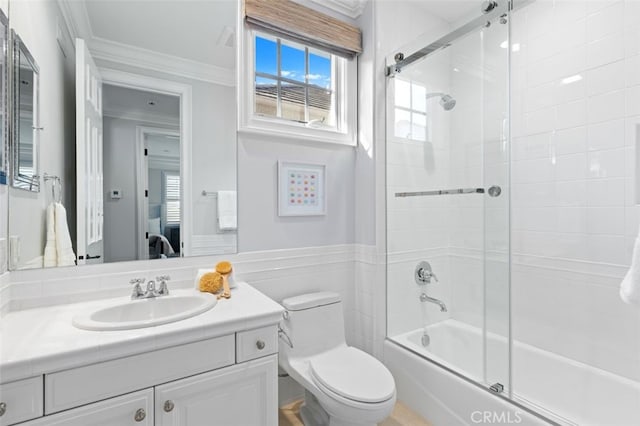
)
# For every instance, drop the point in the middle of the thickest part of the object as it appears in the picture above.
(345, 92)
(166, 175)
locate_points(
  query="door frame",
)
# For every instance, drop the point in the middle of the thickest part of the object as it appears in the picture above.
(129, 80)
(142, 184)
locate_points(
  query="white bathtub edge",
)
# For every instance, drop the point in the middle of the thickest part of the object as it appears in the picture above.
(445, 399)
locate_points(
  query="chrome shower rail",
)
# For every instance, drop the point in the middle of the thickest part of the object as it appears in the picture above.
(441, 192)
(500, 8)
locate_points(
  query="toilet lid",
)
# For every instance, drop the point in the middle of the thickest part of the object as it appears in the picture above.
(353, 374)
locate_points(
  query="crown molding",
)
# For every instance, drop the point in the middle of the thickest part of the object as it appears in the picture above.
(351, 8)
(146, 117)
(112, 51)
(78, 24)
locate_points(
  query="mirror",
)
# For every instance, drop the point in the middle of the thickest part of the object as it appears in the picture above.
(25, 118)
(137, 131)
(4, 40)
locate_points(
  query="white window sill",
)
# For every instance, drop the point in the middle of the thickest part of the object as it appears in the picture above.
(272, 131)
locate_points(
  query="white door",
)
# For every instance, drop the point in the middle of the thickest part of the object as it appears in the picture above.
(90, 203)
(134, 409)
(244, 395)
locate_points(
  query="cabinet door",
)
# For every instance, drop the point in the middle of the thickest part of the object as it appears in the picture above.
(134, 409)
(245, 394)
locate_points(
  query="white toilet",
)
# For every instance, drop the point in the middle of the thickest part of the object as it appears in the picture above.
(343, 385)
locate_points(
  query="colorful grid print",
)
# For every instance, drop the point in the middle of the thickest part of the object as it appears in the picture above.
(303, 188)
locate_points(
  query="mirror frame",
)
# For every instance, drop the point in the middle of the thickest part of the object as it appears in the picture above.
(27, 183)
(4, 97)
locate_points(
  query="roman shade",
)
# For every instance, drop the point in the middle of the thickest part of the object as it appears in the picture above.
(305, 25)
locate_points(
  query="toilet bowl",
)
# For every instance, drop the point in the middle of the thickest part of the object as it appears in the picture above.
(343, 385)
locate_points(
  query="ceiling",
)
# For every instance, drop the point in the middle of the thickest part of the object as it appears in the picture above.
(124, 102)
(195, 30)
(163, 146)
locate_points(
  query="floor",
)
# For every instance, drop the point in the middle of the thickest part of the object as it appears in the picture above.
(401, 416)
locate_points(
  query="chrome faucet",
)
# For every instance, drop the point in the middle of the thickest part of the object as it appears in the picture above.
(423, 276)
(151, 290)
(425, 298)
(163, 290)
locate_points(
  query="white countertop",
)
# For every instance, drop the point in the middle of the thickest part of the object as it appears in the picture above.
(43, 340)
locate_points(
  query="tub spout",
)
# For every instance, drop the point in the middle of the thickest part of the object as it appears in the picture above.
(425, 298)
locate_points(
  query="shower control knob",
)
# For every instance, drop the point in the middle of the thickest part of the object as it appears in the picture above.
(494, 191)
(488, 6)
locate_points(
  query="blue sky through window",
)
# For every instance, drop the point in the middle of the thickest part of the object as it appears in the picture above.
(292, 63)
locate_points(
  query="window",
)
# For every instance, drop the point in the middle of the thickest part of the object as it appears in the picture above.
(295, 82)
(410, 110)
(172, 198)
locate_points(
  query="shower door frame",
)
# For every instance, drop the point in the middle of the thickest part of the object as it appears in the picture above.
(501, 8)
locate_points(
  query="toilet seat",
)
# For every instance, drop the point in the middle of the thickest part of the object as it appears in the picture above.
(352, 374)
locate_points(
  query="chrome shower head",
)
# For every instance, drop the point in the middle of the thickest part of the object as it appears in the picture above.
(446, 101)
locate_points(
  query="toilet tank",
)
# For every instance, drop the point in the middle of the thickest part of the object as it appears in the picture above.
(314, 322)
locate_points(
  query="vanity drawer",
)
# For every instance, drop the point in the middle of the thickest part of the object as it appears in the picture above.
(22, 400)
(252, 344)
(83, 385)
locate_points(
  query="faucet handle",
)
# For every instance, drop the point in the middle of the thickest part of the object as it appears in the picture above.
(423, 273)
(137, 290)
(163, 290)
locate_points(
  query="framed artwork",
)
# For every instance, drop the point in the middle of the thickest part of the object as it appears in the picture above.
(301, 189)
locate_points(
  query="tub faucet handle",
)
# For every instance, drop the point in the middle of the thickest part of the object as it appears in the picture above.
(424, 273)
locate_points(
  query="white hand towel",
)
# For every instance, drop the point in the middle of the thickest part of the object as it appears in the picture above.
(66, 256)
(50, 253)
(227, 213)
(630, 287)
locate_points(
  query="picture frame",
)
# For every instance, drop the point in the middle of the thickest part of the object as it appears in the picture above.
(301, 189)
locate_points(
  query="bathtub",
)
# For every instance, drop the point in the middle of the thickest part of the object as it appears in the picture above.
(558, 388)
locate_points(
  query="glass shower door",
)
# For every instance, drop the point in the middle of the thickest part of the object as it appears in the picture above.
(448, 205)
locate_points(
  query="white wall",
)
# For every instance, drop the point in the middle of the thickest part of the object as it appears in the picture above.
(36, 23)
(258, 192)
(574, 212)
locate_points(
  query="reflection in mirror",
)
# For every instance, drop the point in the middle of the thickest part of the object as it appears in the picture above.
(26, 129)
(140, 125)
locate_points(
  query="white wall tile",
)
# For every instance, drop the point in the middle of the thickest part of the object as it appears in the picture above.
(608, 106)
(605, 50)
(572, 114)
(606, 135)
(607, 163)
(605, 21)
(605, 78)
(570, 141)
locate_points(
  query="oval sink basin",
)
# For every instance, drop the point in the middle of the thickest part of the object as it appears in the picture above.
(130, 314)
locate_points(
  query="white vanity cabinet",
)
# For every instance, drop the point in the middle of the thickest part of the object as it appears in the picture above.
(196, 384)
(243, 395)
(134, 409)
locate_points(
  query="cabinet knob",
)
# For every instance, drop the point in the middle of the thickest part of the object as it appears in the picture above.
(140, 415)
(168, 406)
(3, 408)
(260, 345)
